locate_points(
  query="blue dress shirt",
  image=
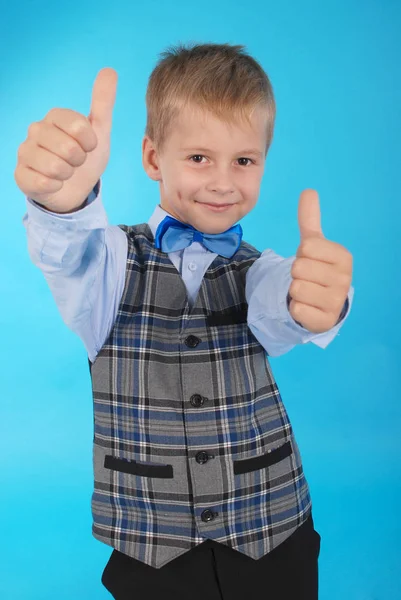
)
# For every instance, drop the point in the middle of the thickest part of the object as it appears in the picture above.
(83, 259)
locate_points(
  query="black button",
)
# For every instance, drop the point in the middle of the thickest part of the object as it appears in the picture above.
(192, 341)
(207, 515)
(202, 457)
(197, 400)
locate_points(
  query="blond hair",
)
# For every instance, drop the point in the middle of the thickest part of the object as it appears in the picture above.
(220, 78)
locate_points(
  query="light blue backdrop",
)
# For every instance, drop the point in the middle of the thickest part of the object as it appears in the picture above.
(335, 72)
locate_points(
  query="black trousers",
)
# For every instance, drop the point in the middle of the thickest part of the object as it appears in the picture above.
(213, 571)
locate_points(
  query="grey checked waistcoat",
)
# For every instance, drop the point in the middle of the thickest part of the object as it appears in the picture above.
(191, 437)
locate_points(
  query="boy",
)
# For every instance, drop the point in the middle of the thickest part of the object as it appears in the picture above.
(199, 485)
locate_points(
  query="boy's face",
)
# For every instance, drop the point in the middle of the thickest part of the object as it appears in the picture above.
(205, 177)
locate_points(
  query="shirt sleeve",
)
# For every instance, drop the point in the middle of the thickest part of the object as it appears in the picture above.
(83, 260)
(267, 283)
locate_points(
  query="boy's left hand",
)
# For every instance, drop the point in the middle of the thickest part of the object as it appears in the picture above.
(322, 271)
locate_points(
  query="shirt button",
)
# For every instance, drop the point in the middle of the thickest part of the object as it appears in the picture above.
(192, 266)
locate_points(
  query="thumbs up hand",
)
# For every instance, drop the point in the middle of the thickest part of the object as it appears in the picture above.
(321, 272)
(65, 153)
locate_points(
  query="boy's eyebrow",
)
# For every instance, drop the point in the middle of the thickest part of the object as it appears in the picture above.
(254, 151)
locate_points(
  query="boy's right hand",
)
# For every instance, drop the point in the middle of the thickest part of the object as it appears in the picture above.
(66, 153)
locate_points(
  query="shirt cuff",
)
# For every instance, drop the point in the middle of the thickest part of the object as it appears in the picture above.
(319, 339)
(92, 215)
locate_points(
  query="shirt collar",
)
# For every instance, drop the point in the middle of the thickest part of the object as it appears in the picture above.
(157, 217)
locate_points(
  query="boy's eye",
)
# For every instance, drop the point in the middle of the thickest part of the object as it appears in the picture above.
(243, 158)
(196, 156)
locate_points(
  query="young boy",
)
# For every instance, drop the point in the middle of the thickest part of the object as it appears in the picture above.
(199, 485)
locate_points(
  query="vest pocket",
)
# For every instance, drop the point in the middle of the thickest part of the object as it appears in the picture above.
(265, 460)
(234, 316)
(134, 468)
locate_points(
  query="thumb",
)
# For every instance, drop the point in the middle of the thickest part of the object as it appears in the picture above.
(103, 99)
(309, 219)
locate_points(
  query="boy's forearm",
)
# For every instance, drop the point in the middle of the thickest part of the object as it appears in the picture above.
(57, 242)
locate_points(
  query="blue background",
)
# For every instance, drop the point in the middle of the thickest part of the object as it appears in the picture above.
(334, 67)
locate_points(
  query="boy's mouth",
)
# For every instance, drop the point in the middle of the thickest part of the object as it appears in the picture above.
(216, 207)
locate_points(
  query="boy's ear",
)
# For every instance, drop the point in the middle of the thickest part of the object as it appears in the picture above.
(150, 159)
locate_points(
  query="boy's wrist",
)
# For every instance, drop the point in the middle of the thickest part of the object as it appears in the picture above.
(342, 315)
(93, 194)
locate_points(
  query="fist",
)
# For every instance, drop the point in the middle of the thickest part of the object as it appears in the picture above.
(321, 271)
(65, 154)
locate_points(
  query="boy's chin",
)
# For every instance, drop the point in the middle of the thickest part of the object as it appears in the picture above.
(212, 225)
(213, 222)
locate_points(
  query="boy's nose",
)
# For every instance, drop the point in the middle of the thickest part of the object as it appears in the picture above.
(222, 190)
(222, 185)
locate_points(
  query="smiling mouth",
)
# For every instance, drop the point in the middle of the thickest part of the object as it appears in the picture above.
(212, 205)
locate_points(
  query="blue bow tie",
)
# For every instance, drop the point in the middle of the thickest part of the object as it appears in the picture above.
(172, 235)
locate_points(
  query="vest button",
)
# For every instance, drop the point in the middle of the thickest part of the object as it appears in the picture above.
(192, 341)
(207, 515)
(202, 457)
(197, 400)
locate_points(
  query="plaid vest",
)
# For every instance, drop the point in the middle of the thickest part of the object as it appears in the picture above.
(191, 437)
